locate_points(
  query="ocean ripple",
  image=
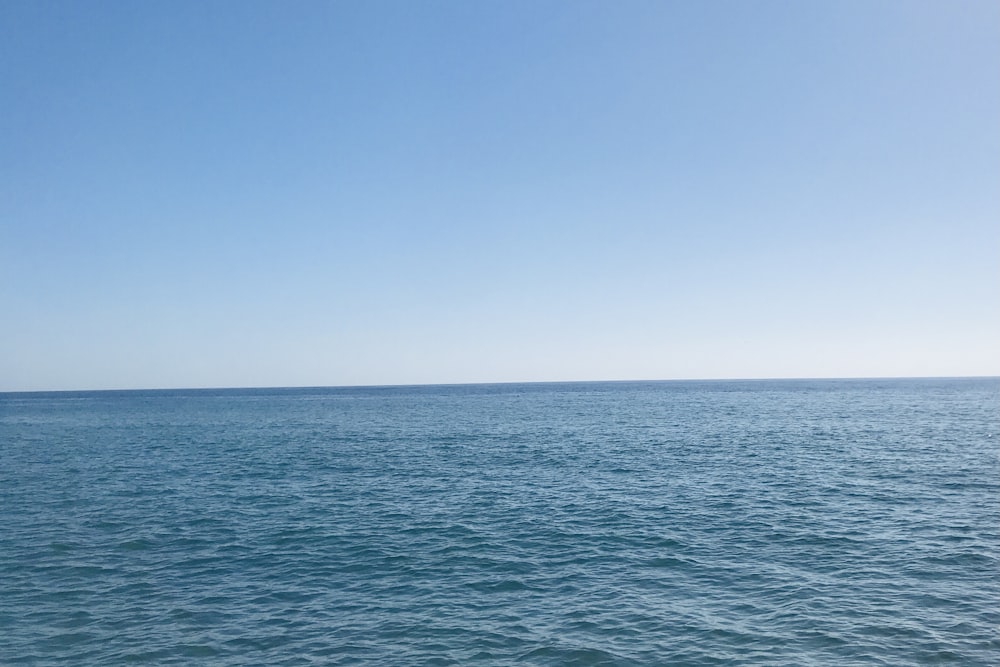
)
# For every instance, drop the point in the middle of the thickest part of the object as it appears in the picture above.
(681, 523)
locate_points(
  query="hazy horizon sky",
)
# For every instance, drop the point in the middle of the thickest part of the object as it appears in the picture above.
(341, 193)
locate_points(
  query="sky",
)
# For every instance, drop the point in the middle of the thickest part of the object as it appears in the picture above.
(241, 193)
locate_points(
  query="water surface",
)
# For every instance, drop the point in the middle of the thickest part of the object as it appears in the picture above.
(681, 523)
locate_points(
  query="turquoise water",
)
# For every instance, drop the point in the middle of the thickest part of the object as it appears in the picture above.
(673, 523)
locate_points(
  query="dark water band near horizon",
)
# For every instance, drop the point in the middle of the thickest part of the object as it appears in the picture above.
(794, 522)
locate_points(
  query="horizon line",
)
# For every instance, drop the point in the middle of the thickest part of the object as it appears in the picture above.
(494, 383)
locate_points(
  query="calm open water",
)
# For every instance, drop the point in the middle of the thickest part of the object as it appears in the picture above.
(671, 523)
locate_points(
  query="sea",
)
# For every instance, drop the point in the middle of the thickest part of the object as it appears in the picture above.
(781, 522)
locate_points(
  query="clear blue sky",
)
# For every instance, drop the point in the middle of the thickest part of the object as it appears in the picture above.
(301, 193)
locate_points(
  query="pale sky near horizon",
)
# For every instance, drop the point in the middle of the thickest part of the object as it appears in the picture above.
(230, 194)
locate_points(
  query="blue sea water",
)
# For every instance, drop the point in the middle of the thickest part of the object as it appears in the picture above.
(838, 522)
